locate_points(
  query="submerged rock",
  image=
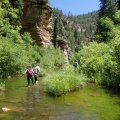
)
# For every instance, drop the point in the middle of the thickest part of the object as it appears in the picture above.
(5, 109)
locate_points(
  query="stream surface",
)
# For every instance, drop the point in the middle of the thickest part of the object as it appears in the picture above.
(89, 103)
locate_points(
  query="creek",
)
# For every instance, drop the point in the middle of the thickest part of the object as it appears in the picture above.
(89, 103)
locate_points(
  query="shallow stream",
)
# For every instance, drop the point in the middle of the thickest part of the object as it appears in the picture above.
(89, 103)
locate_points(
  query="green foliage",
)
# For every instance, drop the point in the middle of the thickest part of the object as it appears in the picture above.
(100, 62)
(26, 39)
(15, 57)
(108, 14)
(113, 74)
(60, 83)
(106, 30)
(77, 30)
(94, 59)
(9, 13)
(50, 57)
(117, 17)
(16, 50)
(109, 30)
(107, 8)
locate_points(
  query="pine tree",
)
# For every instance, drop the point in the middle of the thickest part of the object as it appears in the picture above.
(107, 8)
(107, 11)
(55, 32)
(118, 4)
(76, 35)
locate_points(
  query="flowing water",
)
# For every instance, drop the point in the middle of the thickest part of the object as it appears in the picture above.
(89, 103)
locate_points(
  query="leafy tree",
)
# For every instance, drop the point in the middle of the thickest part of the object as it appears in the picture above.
(76, 35)
(106, 30)
(105, 26)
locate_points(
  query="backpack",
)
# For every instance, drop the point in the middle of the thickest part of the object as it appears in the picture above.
(35, 70)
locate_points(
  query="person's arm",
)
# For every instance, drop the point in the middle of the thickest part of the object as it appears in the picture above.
(25, 71)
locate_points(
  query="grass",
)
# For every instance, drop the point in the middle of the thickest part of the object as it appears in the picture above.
(61, 82)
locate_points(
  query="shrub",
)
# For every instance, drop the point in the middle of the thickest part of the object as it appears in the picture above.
(101, 62)
(94, 59)
(50, 57)
(62, 82)
(12, 58)
(113, 74)
(15, 57)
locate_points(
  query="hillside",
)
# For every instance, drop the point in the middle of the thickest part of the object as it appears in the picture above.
(77, 30)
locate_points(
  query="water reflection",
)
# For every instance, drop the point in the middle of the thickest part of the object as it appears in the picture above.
(32, 99)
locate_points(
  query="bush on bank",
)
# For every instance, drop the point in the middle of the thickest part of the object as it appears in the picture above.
(94, 60)
(15, 57)
(62, 82)
(101, 62)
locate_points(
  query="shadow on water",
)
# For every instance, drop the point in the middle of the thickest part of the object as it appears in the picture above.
(114, 93)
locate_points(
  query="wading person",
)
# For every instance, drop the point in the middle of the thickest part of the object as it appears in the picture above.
(75, 64)
(29, 72)
(36, 70)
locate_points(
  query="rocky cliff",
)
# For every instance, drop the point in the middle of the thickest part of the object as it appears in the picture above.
(37, 19)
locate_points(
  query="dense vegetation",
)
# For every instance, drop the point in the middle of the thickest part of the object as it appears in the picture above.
(96, 42)
(101, 61)
(64, 81)
(16, 50)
